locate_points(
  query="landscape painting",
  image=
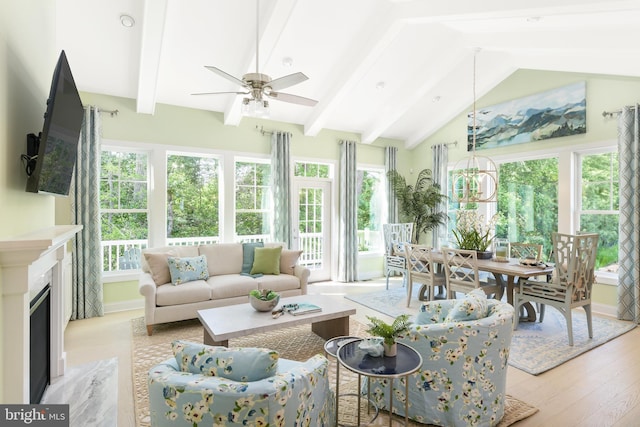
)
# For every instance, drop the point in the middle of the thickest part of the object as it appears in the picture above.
(552, 114)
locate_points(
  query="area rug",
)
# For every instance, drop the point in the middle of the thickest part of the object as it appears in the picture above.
(296, 343)
(535, 347)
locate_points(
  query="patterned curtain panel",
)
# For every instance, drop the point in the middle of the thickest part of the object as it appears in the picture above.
(440, 159)
(348, 236)
(85, 210)
(629, 232)
(390, 164)
(281, 186)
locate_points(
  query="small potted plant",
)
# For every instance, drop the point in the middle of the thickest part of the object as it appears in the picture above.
(389, 332)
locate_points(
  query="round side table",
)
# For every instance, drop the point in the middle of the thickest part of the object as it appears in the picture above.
(331, 348)
(405, 363)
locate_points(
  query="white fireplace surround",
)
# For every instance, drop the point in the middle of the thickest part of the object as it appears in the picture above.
(25, 262)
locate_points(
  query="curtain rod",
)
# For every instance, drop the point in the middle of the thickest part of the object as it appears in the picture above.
(616, 112)
(262, 131)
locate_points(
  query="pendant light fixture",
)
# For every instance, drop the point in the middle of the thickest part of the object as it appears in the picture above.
(474, 179)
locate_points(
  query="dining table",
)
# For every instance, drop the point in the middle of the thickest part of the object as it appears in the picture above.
(510, 269)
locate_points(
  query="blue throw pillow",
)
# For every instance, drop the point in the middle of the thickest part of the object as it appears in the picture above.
(237, 364)
(473, 306)
(248, 254)
(185, 270)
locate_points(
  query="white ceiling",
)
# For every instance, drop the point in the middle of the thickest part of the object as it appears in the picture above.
(422, 50)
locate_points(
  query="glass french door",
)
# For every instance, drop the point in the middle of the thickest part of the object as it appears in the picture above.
(312, 226)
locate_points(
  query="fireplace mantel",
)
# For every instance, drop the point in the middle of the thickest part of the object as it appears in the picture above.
(24, 260)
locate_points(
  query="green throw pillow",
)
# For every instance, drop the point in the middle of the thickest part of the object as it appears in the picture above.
(266, 260)
(248, 250)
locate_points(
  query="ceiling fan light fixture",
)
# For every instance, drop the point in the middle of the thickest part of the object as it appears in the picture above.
(255, 107)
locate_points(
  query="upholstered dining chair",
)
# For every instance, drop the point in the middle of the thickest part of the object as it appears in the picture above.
(421, 269)
(462, 275)
(395, 236)
(572, 280)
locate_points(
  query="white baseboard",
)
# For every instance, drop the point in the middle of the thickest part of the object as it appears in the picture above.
(124, 306)
(607, 310)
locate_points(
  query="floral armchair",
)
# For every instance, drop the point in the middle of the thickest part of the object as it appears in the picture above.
(216, 386)
(463, 377)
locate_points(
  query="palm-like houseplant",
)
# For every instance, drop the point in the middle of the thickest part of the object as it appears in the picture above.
(389, 332)
(422, 204)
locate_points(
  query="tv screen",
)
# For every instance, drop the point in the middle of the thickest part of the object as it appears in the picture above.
(57, 143)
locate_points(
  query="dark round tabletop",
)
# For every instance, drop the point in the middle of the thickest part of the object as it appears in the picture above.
(332, 345)
(406, 362)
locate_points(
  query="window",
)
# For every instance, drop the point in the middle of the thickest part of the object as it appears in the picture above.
(192, 199)
(123, 208)
(312, 170)
(528, 201)
(371, 209)
(252, 200)
(598, 205)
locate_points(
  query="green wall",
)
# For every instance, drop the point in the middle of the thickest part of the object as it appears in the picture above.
(27, 59)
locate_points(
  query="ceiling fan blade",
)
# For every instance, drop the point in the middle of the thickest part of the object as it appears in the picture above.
(221, 93)
(294, 99)
(286, 81)
(227, 76)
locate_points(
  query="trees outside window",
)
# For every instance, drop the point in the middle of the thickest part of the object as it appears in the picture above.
(192, 197)
(123, 206)
(253, 199)
(598, 205)
(528, 201)
(371, 208)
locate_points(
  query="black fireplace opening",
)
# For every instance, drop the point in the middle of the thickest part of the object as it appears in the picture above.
(40, 344)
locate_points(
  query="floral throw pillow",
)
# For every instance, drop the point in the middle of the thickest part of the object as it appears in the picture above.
(236, 364)
(473, 306)
(188, 269)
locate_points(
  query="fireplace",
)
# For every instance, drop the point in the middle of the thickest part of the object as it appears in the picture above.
(40, 344)
(29, 264)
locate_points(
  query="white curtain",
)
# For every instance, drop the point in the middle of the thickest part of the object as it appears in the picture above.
(281, 187)
(85, 210)
(629, 228)
(390, 163)
(440, 158)
(348, 210)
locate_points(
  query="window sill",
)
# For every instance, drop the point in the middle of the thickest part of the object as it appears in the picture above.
(121, 276)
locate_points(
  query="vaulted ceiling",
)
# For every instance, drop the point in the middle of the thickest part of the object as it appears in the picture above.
(382, 68)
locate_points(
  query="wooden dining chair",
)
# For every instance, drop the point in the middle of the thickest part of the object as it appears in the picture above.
(421, 269)
(522, 250)
(570, 286)
(462, 274)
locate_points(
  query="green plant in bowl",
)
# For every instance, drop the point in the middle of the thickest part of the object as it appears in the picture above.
(264, 299)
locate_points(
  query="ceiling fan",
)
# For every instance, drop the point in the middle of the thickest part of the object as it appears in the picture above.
(259, 85)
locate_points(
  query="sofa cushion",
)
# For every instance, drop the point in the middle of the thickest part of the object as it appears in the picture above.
(473, 306)
(288, 260)
(248, 250)
(267, 260)
(158, 266)
(282, 282)
(190, 292)
(223, 258)
(231, 286)
(188, 269)
(237, 364)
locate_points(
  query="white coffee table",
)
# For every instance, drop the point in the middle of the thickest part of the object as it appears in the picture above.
(233, 321)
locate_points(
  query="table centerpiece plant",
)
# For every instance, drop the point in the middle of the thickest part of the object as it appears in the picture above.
(389, 332)
(472, 232)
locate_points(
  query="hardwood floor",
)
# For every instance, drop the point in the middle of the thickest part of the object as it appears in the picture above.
(599, 388)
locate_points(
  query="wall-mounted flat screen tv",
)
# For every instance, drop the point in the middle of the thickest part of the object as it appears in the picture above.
(52, 153)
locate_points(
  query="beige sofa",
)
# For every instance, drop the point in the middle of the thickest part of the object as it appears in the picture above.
(167, 302)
